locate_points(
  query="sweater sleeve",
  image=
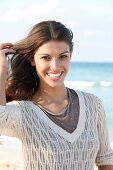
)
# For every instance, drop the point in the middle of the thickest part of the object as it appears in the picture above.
(105, 153)
(10, 119)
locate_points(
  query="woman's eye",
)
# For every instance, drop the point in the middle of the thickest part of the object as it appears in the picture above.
(63, 56)
(45, 57)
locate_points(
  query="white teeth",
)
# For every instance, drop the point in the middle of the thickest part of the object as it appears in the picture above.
(54, 75)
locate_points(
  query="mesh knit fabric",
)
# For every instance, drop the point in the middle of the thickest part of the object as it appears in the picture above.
(47, 146)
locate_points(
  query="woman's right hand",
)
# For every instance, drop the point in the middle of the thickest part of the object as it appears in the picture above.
(5, 48)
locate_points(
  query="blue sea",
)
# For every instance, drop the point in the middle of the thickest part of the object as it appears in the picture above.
(96, 78)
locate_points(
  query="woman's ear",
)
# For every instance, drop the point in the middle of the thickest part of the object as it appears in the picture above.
(71, 53)
(32, 62)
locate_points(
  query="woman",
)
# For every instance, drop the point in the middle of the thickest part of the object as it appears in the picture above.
(60, 129)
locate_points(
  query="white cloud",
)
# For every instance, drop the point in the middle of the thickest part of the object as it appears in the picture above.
(90, 21)
(40, 8)
(35, 9)
(11, 14)
(91, 33)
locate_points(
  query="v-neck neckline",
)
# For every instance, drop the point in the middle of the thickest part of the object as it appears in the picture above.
(61, 112)
(71, 137)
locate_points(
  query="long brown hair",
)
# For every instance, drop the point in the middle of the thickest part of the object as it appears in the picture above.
(23, 80)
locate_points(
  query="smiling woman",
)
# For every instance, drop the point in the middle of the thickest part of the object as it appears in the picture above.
(60, 129)
(52, 62)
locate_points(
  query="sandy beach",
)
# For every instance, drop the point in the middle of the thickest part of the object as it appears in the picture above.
(11, 154)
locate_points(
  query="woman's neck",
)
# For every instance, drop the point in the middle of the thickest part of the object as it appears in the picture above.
(53, 99)
(48, 94)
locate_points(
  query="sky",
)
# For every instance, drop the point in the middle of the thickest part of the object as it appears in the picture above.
(90, 20)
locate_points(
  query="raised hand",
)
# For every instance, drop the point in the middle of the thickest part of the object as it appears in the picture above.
(5, 48)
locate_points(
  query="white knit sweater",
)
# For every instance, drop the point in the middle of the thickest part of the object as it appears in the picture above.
(46, 146)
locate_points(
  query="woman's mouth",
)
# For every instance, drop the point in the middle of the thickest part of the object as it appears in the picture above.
(55, 76)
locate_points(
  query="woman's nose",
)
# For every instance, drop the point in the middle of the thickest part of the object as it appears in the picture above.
(54, 64)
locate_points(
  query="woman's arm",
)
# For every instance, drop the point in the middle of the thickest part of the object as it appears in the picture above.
(106, 167)
(8, 112)
(3, 74)
(104, 158)
(4, 49)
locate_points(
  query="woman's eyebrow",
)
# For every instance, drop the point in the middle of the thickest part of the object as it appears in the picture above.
(59, 54)
(43, 54)
(64, 52)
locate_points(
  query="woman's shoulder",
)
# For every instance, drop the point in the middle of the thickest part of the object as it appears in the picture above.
(17, 104)
(88, 98)
(84, 94)
(14, 103)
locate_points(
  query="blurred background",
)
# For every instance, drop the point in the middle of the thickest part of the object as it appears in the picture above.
(90, 20)
(92, 63)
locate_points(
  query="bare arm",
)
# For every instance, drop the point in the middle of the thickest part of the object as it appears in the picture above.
(106, 167)
(4, 48)
(3, 73)
(9, 115)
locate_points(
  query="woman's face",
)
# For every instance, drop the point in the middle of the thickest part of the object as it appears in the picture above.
(52, 61)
